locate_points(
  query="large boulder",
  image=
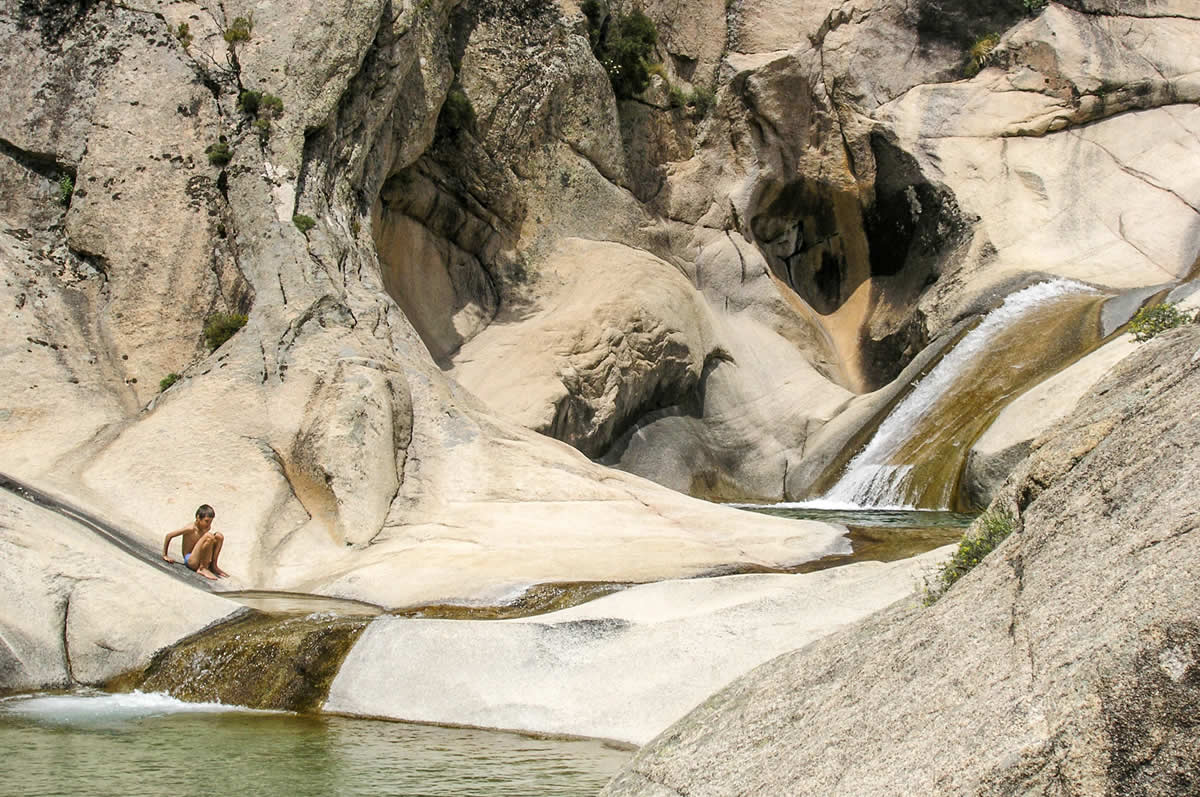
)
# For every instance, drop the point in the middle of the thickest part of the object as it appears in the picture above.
(568, 672)
(1067, 661)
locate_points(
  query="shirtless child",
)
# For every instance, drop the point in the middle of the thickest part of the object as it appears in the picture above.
(201, 545)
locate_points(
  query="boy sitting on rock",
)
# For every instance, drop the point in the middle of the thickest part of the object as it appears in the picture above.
(201, 545)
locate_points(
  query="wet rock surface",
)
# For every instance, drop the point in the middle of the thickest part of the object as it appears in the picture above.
(258, 661)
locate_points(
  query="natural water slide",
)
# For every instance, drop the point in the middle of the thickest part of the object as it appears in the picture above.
(916, 456)
(102, 528)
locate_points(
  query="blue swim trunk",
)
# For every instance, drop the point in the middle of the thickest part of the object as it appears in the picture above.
(185, 558)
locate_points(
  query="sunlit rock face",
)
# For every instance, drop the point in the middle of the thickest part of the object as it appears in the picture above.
(503, 253)
(1048, 667)
(621, 667)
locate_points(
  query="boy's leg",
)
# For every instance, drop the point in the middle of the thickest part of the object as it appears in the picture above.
(216, 553)
(201, 556)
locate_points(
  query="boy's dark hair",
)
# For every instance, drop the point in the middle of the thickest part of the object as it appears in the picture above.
(206, 511)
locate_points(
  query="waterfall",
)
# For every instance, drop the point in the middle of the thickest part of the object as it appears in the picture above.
(989, 366)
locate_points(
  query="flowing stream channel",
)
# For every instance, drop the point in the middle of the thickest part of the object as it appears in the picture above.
(916, 456)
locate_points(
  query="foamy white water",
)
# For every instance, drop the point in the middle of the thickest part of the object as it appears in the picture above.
(84, 709)
(872, 479)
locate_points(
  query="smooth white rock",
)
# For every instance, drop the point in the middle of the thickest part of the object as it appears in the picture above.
(622, 667)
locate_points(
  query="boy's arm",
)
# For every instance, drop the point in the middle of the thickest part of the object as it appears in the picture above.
(167, 544)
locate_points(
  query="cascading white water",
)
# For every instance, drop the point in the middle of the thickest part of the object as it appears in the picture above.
(875, 478)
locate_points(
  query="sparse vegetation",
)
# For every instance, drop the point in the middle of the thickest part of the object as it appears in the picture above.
(698, 101)
(66, 189)
(1034, 6)
(987, 532)
(1149, 321)
(457, 114)
(263, 107)
(623, 44)
(239, 30)
(257, 103)
(220, 327)
(262, 126)
(248, 102)
(167, 381)
(219, 154)
(979, 54)
(304, 223)
(271, 106)
(183, 34)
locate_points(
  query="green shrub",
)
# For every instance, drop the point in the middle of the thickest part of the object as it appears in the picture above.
(1034, 6)
(988, 531)
(66, 189)
(698, 101)
(256, 103)
(1149, 321)
(219, 154)
(457, 113)
(304, 223)
(167, 381)
(239, 30)
(220, 327)
(248, 102)
(183, 34)
(271, 106)
(623, 45)
(980, 53)
(263, 128)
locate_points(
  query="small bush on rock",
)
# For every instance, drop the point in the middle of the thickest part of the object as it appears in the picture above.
(167, 381)
(219, 154)
(271, 106)
(1150, 321)
(988, 531)
(66, 189)
(183, 34)
(457, 114)
(304, 223)
(1034, 6)
(623, 45)
(248, 102)
(239, 30)
(220, 327)
(980, 54)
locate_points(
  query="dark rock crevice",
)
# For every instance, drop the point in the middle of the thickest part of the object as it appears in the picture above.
(46, 164)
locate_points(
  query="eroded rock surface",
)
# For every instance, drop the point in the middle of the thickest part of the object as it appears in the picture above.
(569, 672)
(469, 174)
(1067, 662)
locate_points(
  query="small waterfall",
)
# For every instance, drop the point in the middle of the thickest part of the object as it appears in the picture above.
(917, 452)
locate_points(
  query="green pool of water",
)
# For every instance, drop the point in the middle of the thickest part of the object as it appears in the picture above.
(875, 535)
(139, 744)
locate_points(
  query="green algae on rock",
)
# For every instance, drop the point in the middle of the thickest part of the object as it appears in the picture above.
(257, 661)
(536, 599)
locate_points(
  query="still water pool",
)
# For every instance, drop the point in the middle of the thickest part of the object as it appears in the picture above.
(878, 535)
(149, 744)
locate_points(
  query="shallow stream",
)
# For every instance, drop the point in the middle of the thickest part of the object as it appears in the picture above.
(149, 744)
